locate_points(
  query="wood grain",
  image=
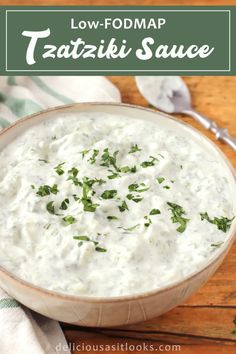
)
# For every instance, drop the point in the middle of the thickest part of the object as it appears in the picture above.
(204, 323)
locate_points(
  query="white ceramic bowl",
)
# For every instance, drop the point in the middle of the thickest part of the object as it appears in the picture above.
(112, 311)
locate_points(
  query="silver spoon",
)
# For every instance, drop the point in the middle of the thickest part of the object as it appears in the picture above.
(171, 95)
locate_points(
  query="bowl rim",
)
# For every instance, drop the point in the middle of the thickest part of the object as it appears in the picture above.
(114, 299)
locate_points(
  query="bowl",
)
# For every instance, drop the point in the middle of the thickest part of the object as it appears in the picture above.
(120, 310)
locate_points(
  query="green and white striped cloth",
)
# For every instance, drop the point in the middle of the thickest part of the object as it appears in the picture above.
(23, 331)
(24, 95)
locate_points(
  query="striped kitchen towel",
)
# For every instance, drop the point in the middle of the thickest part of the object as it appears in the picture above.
(23, 331)
(24, 95)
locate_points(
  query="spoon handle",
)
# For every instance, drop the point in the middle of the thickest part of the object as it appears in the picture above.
(220, 133)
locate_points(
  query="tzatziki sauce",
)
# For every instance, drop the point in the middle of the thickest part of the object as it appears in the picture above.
(100, 204)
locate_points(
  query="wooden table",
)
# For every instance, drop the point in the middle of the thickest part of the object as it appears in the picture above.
(204, 323)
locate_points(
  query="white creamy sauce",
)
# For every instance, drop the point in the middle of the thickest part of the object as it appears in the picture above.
(129, 243)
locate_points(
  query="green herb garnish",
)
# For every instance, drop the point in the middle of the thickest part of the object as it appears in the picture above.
(43, 160)
(112, 217)
(84, 152)
(130, 228)
(134, 198)
(47, 190)
(47, 226)
(69, 220)
(109, 194)
(125, 169)
(76, 198)
(64, 204)
(222, 223)
(59, 170)
(178, 212)
(100, 249)
(86, 194)
(123, 206)
(149, 163)
(54, 189)
(109, 160)
(134, 148)
(81, 238)
(73, 172)
(217, 244)
(50, 208)
(148, 222)
(113, 175)
(154, 212)
(135, 187)
(92, 159)
(160, 179)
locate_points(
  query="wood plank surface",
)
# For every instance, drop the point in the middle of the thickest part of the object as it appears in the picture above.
(204, 323)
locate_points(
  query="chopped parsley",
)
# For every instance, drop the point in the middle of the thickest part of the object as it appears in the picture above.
(123, 206)
(84, 152)
(43, 160)
(109, 160)
(100, 249)
(86, 194)
(149, 163)
(217, 244)
(85, 239)
(76, 198)
(132, 228)
(154, 212)
(109, 194)
(69, 220)
(54, 189)
(148, 221)
(127, 169)
(64, 204)
(59, 170)
(47, 190)
(50, 208)
(134, 198)
(160, 179)
(139, 188)
(178, 212)
(166, 187)
(73, 172)
(134, 148)
(113, 175)
(47, 226)
(92, 159)
(112, 217)
(81, 238)
(222, 223)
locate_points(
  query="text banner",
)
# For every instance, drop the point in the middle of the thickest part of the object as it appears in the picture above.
(117, 41)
